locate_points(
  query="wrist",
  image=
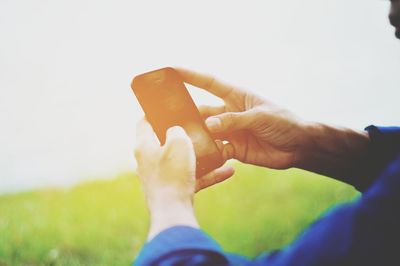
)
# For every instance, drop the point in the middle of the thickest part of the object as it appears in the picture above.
(161, 204)
(307, 146)
(165, 195)
(166, 213)
(331, 150)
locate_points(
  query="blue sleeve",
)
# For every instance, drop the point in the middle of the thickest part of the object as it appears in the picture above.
(183, 245)
(384, 146)
(364, 232)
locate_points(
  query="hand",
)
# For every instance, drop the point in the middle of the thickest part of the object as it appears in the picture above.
(167, 174)
(258, 131)
(158, 166)
(261, 133)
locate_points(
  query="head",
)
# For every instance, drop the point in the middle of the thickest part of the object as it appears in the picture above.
(394, 16)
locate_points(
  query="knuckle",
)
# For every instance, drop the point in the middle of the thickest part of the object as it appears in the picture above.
(211, 82)
(229, 151)
(229, 120)
(233, 93)
(257, 113)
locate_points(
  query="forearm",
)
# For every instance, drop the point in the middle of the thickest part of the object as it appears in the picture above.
(333, 151)
(165, 213)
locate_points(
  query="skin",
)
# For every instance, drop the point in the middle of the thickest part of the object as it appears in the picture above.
(169, 195)
(264, 134)
(255, 131)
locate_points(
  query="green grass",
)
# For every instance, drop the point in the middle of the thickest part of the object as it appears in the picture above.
(105, 222)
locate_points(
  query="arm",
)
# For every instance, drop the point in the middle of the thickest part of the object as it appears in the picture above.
(362, 232)
(262, 133)
(339, 153)
(168, 203)
(167, 175)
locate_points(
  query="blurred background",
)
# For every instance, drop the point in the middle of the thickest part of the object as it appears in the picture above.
(67, 113)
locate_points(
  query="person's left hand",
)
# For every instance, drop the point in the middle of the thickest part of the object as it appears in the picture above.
(168, 179)
(168, 172)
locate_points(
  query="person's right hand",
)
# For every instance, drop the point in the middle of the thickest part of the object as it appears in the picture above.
(259, 132)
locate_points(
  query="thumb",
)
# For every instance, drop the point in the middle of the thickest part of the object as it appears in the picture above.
(230, 121)
(178, 153)
(178, 144)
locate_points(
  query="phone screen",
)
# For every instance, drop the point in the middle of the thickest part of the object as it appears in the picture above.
(166, 103)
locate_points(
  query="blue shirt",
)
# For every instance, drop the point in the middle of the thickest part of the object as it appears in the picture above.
(363, 232)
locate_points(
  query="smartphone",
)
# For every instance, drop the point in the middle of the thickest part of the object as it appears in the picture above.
(166, 102)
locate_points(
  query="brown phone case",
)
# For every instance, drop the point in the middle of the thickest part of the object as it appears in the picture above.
(166, 102)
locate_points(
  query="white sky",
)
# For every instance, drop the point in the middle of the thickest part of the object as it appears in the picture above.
(66, 109)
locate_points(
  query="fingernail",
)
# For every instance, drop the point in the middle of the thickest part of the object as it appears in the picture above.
(213, 123)
(230, 170)
(226, 171)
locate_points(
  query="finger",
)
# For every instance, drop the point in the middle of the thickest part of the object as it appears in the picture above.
(214, 177)
(177, 135)
(178, 144)
(231, 121)
(227, 149)
(146, 138)
(205, 82)
(220, 144)
(206, 110)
